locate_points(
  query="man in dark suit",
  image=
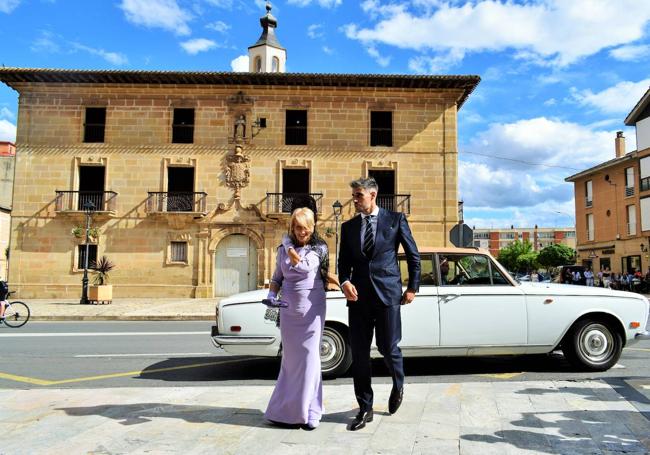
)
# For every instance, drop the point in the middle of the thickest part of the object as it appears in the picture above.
(370, 276)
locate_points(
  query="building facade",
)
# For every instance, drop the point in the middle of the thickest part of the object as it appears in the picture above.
(613, 203)
(496, 239)
(191, 175)
(7, 161)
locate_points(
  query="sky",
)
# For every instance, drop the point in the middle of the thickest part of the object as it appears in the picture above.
(558, 76)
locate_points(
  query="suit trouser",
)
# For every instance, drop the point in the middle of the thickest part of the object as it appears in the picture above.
(365, 317)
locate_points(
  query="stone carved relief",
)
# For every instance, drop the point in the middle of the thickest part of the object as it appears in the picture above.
(237, 170)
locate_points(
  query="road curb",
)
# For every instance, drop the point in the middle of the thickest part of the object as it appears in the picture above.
(123, 318)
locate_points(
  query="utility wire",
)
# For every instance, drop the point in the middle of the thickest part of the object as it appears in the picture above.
(519, 161)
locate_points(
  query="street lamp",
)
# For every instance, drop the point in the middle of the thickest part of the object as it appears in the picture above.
(337, 207)
(88, 208)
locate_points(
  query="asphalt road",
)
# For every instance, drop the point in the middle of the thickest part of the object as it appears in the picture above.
(155, 354)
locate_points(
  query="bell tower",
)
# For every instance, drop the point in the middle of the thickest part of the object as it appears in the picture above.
(267, 55)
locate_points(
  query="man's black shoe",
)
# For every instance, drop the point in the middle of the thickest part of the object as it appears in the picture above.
(395, 399)
(360, 420)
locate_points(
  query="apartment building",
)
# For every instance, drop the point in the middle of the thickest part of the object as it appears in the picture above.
(496, 239)
(188, 177)
(613, 202)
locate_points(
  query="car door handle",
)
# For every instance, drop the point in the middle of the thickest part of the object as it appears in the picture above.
(447, 297)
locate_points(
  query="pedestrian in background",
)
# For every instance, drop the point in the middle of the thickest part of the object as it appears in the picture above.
(589, 277)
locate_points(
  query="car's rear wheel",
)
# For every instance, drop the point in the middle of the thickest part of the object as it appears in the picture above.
(592, 345)
(335, 354)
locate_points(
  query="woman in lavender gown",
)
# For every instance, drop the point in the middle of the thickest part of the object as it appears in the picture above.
(300, 277)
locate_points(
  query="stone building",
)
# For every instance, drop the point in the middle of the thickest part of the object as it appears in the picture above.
(7, 159)
(613, 202)
(496, 239)
(191, 174)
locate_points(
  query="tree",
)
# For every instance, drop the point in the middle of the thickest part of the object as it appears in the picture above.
(518, 256)
(555, 255)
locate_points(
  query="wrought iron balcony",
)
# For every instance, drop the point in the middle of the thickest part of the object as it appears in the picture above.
(645, 184)
(73, 201)
(629, 191)
(588, 202)
(395, 202)
(172, 202)
(282, 202)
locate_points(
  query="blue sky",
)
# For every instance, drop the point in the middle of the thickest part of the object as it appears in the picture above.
(559, 76)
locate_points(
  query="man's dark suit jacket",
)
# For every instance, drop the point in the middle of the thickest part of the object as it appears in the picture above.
(381, 271)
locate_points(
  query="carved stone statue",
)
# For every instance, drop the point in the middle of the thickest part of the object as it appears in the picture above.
(237, 170)
(240, 127)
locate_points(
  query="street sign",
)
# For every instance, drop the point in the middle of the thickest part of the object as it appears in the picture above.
(461, 235)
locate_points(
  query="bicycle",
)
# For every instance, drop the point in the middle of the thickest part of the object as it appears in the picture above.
(16, 313)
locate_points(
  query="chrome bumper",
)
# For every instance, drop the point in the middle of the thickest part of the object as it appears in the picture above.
(225, 340)
(645, 335)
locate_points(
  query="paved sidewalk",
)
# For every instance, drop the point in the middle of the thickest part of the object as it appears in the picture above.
(123, 310)
(540, 417)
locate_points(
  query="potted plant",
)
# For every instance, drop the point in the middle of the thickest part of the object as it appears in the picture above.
(101, 291)
(80, 231)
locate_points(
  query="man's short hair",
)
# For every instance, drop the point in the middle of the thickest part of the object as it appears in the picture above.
(368, 184)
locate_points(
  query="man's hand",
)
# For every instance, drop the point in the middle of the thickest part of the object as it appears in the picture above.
(350, 291)
(408, 296)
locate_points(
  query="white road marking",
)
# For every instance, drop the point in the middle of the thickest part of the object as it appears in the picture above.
(646, 386)
(618, 365)
(157, 354)
(97, 334)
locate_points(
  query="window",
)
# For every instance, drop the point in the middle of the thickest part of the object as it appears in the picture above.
(590, 226)
(546, 235)
(95, 124)
(183, 126)
(588, 193)
(481, 235)
(275, 65)
(469, 270)
(180, 189)
(296, 127)
(381, 129)
(570, 235)
(179, 251)
(258, 64)
(92, 256)
(428, 277)
(631, 219)
(629, 181)
(644, 164)
(507, 235)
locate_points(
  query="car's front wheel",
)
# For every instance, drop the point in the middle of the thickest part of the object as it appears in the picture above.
(592, 345)
(335, 355)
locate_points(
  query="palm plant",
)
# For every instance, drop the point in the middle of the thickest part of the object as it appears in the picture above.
(102, 267)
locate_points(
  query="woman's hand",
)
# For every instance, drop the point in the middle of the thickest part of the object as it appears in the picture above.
(287, 243)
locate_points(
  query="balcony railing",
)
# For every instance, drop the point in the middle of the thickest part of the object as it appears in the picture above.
(631, 228)
(590, 234)
(73, 201)
(162, 202)
(629, 191)
(395, 202)
(645, 184)
(588, 202)
(282, 202)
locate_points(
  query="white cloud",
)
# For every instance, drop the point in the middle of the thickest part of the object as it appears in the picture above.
(218, 26)
(6, 113)
(523, 164)
(46, 42)
(550, 102)
(556, 32)
(328, 50)
(114, 58)
(620, 98)
(380, 59)
(630, 53)
(7, 131)
(323, 3)
(240, 64)
(194, 46)
(438, 64)
(225, 4)
(315, 31)
(165, 14)
(7, 6)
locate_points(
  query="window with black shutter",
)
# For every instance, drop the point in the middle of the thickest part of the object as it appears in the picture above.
(296, 128)
(183, 126)
(92, 256)
(381, 129)
(95, 124)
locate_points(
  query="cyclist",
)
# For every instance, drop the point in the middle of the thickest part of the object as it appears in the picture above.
(4, 294)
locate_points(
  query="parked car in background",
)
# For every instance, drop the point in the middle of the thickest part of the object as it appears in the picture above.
(474, 308)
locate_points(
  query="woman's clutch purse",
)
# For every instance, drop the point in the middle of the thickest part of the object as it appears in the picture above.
(275, 303)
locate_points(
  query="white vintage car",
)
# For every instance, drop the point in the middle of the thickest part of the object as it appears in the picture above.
(468, 305)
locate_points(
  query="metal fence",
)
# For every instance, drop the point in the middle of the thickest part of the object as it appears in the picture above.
(282, 202)
(395, 202)
(158, 202)
(73, 201)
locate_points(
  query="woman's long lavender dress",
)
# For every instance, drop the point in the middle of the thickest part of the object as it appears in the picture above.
(298, 394)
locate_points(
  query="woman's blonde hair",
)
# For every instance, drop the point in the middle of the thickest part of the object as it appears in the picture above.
(304, 217)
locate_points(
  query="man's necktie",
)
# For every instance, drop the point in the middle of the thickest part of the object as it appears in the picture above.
(368, 238)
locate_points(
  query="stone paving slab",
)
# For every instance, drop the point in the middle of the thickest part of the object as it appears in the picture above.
(541, 417)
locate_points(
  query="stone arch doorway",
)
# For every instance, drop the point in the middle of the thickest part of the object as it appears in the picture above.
(235, 265)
